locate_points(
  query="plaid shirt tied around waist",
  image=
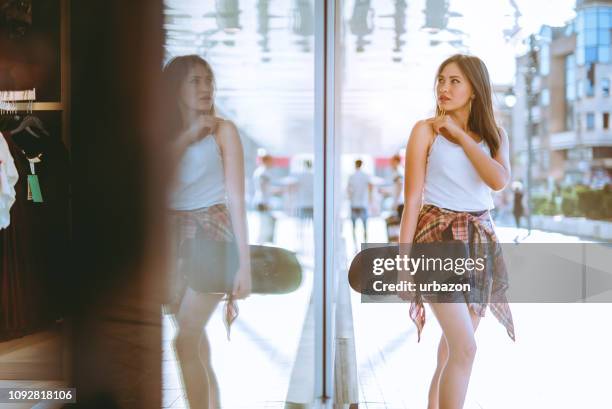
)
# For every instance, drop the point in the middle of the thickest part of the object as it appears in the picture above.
(436, 225)
(216, 223)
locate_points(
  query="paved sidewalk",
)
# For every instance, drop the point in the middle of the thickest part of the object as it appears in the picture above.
(561, 359)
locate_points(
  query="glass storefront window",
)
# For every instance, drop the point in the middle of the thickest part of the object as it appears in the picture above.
(382, 58)
(263, 61)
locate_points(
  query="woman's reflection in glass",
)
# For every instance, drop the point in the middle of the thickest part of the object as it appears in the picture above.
(207, 197)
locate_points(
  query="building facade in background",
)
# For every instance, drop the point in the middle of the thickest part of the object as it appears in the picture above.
(570, 130)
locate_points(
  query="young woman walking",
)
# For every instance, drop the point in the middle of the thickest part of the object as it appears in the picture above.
(453, 162)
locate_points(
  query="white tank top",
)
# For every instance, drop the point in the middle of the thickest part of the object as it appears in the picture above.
(200, 180)
(451, 181)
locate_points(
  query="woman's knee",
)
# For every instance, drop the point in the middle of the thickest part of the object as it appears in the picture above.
(186, 342)
(463, 352)
(442, 353)
(204, 349)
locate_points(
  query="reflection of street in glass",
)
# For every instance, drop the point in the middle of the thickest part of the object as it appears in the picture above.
(302, 188)
(560, 157)
(264, 189)
(359, 190)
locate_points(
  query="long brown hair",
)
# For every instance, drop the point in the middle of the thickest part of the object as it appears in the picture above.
(481, 119)
(175, 72)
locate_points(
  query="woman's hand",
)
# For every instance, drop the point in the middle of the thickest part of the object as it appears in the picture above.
(447, 127)
(242, 282)
(404, 276)
(201, 126)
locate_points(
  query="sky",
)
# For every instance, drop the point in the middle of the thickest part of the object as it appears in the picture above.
(483, 19)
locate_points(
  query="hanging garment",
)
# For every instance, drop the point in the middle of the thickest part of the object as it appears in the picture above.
(8, 179)
(34, 247)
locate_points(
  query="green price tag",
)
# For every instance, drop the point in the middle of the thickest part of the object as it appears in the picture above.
(34, 189)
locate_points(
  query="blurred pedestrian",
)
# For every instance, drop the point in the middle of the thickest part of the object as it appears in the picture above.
(517, 206)
(359, 191)
(263, 179)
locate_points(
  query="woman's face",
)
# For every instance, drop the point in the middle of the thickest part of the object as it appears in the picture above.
(196, 91)
(453, 90)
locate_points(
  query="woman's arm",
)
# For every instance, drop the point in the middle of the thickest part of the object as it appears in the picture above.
(494, 171)
(200, 127)
(233, 168)
(414, 178)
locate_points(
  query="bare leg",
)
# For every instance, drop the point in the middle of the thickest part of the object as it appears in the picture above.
(435, 381)
(193, 350)
(213, 385)
(456, 353)
(441, 363)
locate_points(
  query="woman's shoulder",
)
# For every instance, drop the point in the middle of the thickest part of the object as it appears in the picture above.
(423, 129)
(425, 122)
(226, 129)
(225, 125)
(226, 133)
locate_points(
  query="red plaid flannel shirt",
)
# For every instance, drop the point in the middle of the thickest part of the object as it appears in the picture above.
(432, 222)
(216, 222)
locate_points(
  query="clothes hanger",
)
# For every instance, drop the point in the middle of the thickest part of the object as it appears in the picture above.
(31, 131)
(8, 106)
(30, 122)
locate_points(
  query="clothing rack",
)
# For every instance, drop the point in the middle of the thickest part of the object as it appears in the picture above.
(9, 101)
(14, 96)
